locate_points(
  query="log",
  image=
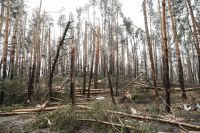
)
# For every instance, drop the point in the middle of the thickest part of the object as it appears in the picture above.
(155, 119)
(12, 113)
(38, 109)
(107, 123)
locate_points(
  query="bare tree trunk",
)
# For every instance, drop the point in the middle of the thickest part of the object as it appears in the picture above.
(56, 59)
(110, 86)
(12, 52)
(195, 34)
(85, 59)
(72, 80)
(165, 53)
(178, 55)
(49, 52)
(153, 73)
(38, 46)
(97, 58)
(117, 58)
(2, 15)
(92, 63)
(5, 46)
(32, 67)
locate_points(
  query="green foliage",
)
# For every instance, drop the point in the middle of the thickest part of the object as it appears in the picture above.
(8, 129)
(64, 119)
(153, 110)
(13, 90)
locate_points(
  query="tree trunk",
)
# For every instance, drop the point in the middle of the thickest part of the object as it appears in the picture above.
(110, 86)
(195, 34)
(92, 63)
(97, 58)
(2, 15)
(85, 60)
(12, 52)
(153, 72)
(178, 55)
(5, 46)
(56, 58)
(72, 80)
(49, 52)
(166, 63)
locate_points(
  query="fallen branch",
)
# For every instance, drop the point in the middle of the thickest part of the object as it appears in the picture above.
(155, 119)
(107, 123)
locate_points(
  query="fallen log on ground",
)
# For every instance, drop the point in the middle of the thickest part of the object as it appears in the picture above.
(144, 118)
(154, 119)
(38, 109)
(107, 123)
(12, 113)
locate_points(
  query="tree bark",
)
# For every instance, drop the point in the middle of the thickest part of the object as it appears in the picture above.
(178, 55)
(12, 52)
(97, 58)
(56, 58)
(195, 34)
(85, 60)
(2, 15)
(165, 53)
(92, 63)
(5, 46)
(153, 72)
(110, 86)
(72, 78)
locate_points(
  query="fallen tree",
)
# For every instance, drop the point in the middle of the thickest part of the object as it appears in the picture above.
(154, 119)
(139, 117)
(108, 123)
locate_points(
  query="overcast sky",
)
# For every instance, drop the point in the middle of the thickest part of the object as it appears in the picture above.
(131, 8)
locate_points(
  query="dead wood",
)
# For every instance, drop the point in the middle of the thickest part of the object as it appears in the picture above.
(108, 123)
(155, 119)
(12, 113)
(38, 109)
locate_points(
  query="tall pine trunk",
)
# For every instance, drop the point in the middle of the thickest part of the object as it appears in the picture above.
(97, 59)
(166, 63)
(178, 55)
(153, 72)
(5, 46)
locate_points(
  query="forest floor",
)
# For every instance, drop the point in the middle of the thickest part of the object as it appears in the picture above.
(143, 103)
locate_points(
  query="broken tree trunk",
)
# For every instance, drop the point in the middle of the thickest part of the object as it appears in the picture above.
(56, 58)
(155, 119)
(110, 86)
(107, 123)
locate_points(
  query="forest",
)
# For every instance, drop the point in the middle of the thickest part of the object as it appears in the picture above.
(100, 73)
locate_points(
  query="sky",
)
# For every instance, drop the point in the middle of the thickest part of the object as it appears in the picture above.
(131, 8)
